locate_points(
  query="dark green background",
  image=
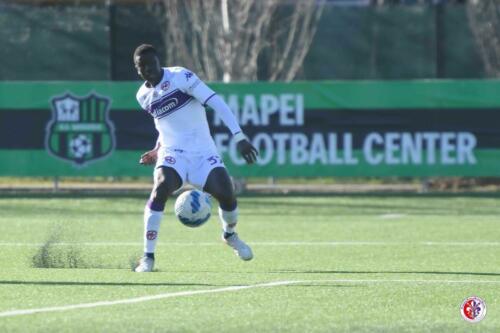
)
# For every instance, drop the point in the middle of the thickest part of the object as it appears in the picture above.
(375, 42)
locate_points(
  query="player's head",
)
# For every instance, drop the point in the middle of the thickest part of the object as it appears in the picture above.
(147, 63)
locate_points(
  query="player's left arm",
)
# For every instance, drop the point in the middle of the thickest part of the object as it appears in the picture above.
(245, 148)
(206, 96)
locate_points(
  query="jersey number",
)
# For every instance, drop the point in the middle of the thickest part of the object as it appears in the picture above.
(214, 160)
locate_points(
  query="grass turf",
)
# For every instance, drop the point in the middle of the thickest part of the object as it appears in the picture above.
(353, 264)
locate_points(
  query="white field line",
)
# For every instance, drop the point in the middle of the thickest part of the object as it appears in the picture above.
(141, 299)
(270, 243)
(367, 281)
(392, 216)
(21, 312)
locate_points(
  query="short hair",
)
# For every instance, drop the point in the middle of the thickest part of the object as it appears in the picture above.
(143, 49)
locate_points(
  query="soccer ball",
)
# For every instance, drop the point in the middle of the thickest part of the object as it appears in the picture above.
(193, 208)
(80, 146)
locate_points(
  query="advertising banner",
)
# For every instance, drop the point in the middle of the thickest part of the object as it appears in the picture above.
(302, 129)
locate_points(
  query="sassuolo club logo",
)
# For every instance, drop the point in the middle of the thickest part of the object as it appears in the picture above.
(80, 130)
(473, 309)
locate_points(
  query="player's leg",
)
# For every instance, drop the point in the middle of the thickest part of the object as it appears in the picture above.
(219, 185)
(166, 181)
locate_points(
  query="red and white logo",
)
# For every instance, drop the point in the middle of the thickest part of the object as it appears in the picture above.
(151, 234)
(473, 309)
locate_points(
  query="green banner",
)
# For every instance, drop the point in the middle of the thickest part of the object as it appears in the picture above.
(302, 129)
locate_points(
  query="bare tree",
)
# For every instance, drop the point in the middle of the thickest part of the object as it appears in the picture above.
(225, 39)
(484, 20)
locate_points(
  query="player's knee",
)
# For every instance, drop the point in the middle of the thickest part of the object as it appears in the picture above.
(219, 185)
(225, 197)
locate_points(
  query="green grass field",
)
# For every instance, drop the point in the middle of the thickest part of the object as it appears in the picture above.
(322, 264)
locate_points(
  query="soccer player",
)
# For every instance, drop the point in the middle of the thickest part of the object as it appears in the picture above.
(185, 151)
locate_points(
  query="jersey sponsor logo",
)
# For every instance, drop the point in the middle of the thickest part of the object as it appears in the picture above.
(168, 104)
(80, 131)
(188, 75)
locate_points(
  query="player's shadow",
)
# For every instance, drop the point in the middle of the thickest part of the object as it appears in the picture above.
(287, 271)
(74, 283)
(121, 284)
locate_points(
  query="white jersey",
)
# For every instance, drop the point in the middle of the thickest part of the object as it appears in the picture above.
(177, 106)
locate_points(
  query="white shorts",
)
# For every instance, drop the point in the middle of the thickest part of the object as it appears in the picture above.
(193, 168)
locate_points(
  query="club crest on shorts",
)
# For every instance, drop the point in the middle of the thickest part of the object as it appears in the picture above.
(473, 309)
(170, 159)
(80, 130)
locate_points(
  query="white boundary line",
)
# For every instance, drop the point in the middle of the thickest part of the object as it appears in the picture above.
(392, 216)
(141, 299)
(270, 243)
(13, 313)
(403, 281)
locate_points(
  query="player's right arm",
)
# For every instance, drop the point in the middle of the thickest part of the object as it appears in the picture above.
(151, 156)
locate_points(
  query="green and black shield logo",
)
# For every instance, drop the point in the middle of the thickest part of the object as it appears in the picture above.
(80, 130)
